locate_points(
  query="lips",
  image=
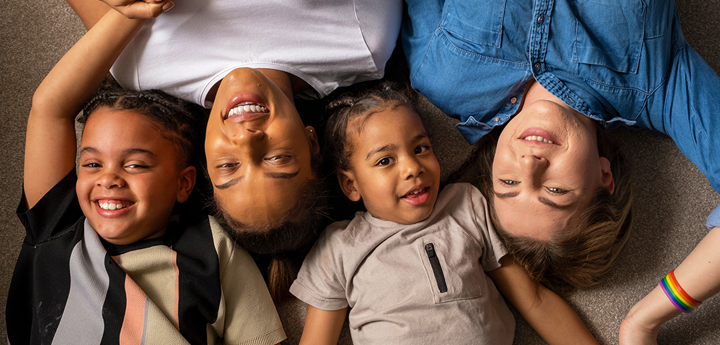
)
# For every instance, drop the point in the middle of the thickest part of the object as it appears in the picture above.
(538, 136)
(417, 196)
(245, 107)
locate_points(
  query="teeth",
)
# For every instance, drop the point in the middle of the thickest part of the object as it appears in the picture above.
(110, 206)
(539, 138)
(247, 108)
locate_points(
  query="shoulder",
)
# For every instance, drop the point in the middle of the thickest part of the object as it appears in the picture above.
(56, 212)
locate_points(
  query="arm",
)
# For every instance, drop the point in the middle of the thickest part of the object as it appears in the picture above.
(91, 11)
(322, 326)
(545, 311)
(50, 138)
(698, 275)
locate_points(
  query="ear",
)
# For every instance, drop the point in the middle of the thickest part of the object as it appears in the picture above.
(607, 178)
(186, 182)
(346, 179)
(313, 139)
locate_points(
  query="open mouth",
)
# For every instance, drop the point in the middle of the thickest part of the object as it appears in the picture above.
(247, 108)
(113, 205)
(417, 196)
(539, 136)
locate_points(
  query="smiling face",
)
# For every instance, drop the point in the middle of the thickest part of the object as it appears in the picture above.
(392, 167)
(129, 177)
(258, 150)
(546, 168)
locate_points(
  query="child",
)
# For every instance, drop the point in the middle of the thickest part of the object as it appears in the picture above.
(103, 261)
(412, 267)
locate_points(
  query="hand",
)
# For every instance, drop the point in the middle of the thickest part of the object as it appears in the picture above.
(631, 333)
(140, 9)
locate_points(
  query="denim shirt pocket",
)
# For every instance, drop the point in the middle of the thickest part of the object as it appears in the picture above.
(609, 33)
(475, 21)
(452, 266)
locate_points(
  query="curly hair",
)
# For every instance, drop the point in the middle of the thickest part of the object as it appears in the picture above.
(177, 120)
(583, 254)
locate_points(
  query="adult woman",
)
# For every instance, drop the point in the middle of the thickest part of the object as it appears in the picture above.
(564, 69)
(248, 59)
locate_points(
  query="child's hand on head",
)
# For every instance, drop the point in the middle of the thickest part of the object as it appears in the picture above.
(140, 9)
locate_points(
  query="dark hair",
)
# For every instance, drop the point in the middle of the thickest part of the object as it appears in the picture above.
(287, 240)
(351, 106)
(583, 254)
(178, 120)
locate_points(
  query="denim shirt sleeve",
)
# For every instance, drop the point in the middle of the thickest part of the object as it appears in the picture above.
(714, 219)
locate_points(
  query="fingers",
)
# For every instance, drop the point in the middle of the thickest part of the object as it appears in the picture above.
(140, 9)
(147, 9)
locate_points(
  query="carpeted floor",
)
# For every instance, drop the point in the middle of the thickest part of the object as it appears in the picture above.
(673, 199)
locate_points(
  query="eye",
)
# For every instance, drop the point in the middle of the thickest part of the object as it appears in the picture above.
(92, 165)
(509, 182)
(226, 166)
(554, 190)
(136, 166)
(421, 149)
(279, 159)
(385, 161)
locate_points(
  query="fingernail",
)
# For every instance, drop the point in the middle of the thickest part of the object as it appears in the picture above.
(168, 5)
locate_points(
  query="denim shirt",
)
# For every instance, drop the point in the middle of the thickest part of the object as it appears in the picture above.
(619, 62)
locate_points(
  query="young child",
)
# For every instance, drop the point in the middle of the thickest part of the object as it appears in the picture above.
(103, 261)
(414, 268)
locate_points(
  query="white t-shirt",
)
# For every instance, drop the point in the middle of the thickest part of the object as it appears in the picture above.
(326, 43)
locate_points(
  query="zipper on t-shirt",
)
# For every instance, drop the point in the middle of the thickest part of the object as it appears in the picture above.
(437, 269)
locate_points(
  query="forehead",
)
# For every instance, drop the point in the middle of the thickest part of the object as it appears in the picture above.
(123, 128)
(393, 118)
(261, 200)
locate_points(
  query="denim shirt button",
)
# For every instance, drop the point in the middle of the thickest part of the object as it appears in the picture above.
(541, 19)
(513, 100)
(496, 120)
(537, 66)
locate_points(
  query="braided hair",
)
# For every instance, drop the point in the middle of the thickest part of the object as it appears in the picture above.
(178, 120)
(351, 106)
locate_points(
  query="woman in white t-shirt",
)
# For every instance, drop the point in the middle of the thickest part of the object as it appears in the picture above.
(248, 60)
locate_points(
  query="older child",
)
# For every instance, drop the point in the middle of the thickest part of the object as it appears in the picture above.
(414, 268)
(103, 260)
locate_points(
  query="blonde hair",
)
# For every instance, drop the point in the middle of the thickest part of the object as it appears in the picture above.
(583, 254)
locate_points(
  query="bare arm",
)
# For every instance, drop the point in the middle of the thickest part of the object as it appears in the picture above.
(91, 11)
(50, 139)
(698, 275)
(322, 326)
(545, 311)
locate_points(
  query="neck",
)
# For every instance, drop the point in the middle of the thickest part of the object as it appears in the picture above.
(288, 83)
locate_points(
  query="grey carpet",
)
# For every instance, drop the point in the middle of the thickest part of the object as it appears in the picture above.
(673, 198)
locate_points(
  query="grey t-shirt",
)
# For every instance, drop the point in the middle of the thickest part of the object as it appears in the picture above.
(422, 283)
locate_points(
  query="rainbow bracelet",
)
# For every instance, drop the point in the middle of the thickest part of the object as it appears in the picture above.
(676, 294)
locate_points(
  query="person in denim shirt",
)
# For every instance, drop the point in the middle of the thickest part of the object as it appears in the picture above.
(569, 69)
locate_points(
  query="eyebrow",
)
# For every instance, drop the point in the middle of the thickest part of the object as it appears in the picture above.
(90, 149)
(235, 181)
(542, 200)
(392, 146)
(229, 184)
(380, 149)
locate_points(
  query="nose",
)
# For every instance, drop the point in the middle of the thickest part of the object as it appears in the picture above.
(533, 166)
(411, 167)
(110, 179)
(248, 134)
